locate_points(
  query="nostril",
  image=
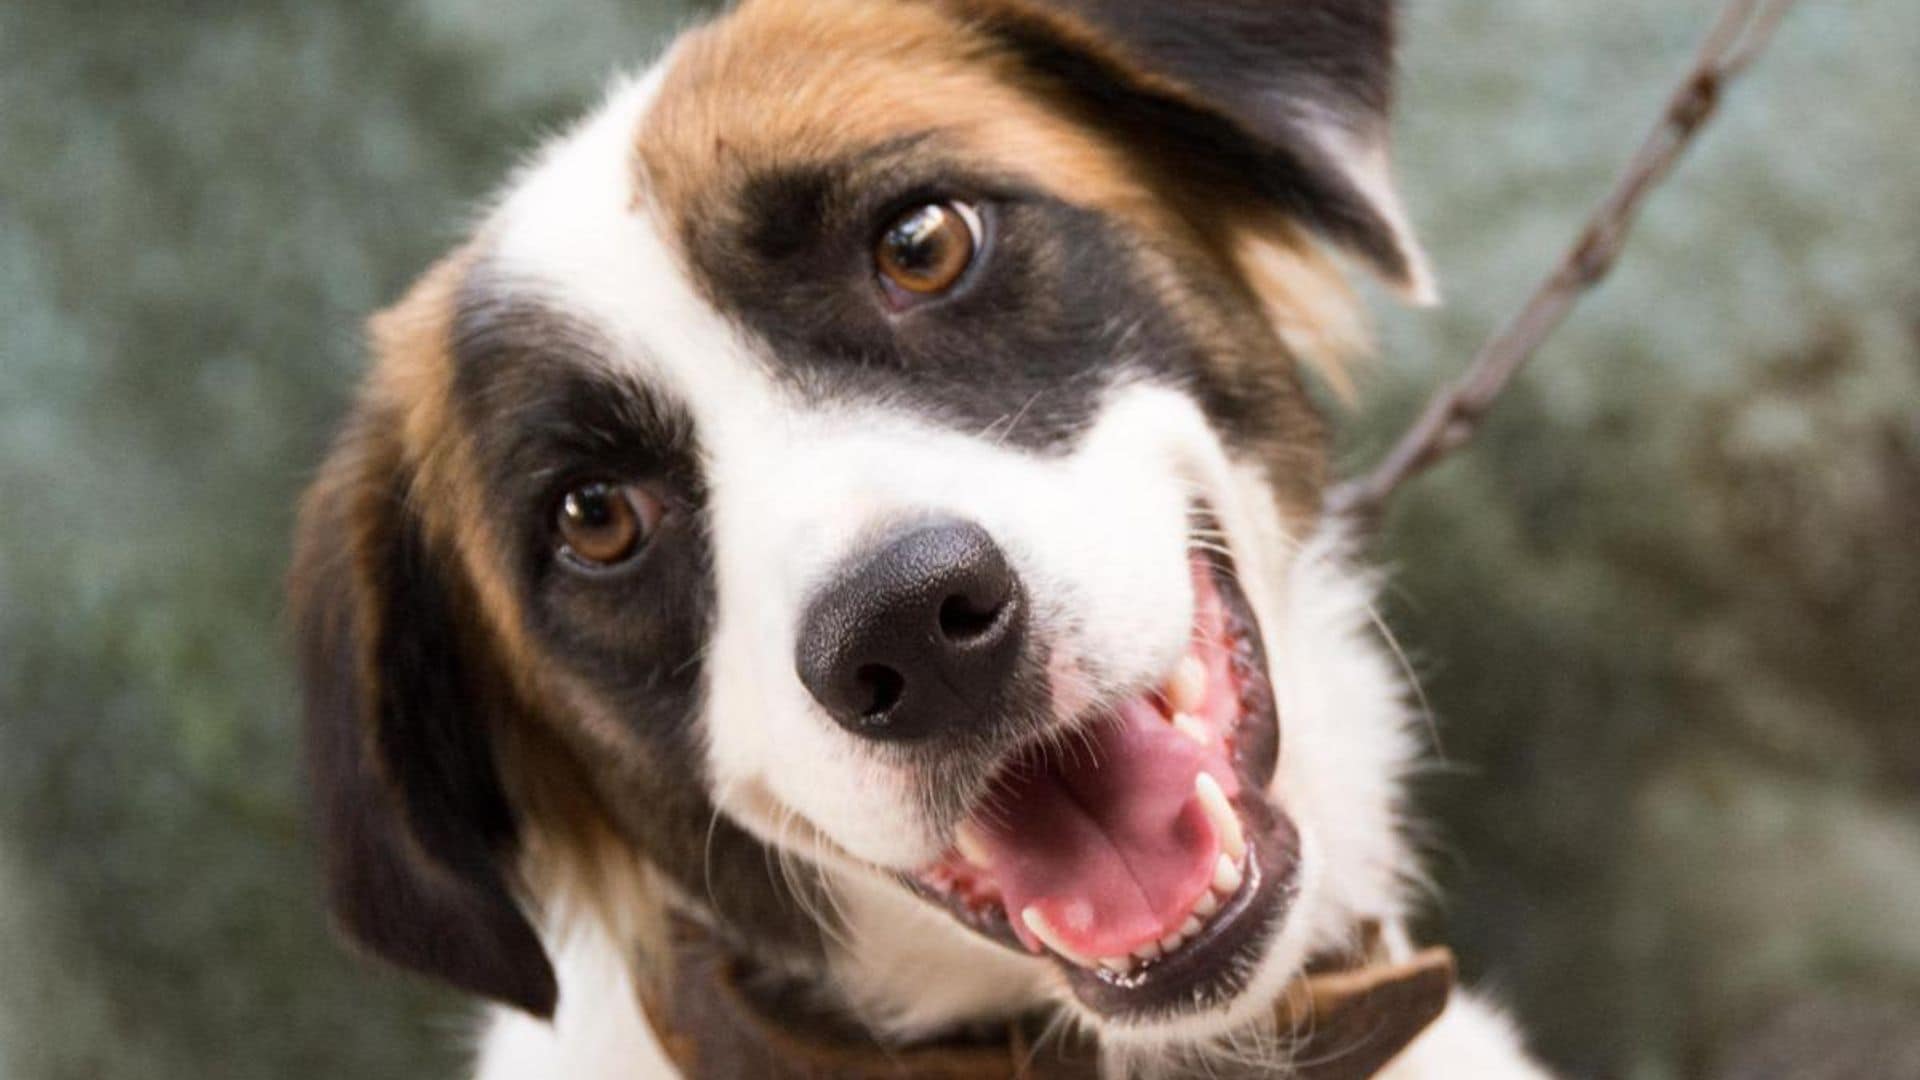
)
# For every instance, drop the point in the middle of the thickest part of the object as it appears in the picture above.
(962, 620)
(881, 687)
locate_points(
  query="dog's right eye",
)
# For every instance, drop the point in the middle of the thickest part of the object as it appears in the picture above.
(925, 251)
(602, 524)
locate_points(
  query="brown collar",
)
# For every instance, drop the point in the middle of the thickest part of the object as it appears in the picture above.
(1351, 1021)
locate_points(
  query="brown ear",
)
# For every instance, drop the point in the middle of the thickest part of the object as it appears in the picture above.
(1274, 106)
(414, 820)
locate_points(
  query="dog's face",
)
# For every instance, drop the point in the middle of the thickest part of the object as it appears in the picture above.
(874, 440)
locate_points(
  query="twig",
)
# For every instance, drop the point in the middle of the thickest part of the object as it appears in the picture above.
(1455, 413)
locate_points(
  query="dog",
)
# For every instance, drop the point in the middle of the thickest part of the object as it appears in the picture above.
(843, 539)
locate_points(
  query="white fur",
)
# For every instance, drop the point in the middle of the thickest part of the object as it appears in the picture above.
(1471, 1039)
(598, 1032)
(1099, 538)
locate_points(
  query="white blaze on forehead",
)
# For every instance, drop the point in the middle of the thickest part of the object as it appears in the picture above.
(576, 232)
(1098, 534)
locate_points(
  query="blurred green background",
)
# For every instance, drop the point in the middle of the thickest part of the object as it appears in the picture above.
(1666, 610)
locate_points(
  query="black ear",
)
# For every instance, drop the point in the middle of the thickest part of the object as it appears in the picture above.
(414, 820)
(1283, 102)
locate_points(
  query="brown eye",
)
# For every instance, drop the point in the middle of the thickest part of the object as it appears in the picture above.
(925, 250)
(603, 524)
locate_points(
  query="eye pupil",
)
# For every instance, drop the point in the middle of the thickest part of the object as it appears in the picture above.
(925, 250)
(592, 509)
(914, 243)
(604, 523)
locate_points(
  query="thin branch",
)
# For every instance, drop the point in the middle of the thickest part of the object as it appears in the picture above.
(1455, 413)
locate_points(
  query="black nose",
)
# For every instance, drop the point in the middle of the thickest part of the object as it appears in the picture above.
(917, 636)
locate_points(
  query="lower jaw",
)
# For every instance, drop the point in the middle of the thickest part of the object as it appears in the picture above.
(1213, 969)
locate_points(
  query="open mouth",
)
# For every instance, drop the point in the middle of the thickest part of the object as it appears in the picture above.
(1141, 852)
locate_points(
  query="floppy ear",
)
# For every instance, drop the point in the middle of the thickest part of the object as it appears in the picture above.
(1274, 105)
(415, 822)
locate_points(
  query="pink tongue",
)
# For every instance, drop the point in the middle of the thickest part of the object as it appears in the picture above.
(1108, 840)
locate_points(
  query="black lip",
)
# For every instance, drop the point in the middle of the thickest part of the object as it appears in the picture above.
(1214, 967)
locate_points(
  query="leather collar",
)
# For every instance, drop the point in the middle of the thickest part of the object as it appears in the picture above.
(1350, 1018)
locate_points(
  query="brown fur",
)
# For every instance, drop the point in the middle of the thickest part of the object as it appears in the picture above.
(784, 82)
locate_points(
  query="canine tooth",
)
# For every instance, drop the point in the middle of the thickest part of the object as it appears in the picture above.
(1193, 728)
(1190, 927)
(966, 840)
(1170, 942)
(1119, 965)
(1226, 824)
(1043, 930)
(1226, 877)
(1188, 687)
(1207, 904)
(1149, 951)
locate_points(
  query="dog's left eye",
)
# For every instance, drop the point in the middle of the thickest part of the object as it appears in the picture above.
(603, 524)
(923, 252)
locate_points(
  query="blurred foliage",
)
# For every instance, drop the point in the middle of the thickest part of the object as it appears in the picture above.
(200, 205)
(1666, 609)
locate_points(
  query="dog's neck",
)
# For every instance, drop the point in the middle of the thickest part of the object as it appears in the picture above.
(1344, 1019)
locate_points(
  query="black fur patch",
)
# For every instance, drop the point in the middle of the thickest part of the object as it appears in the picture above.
(545, 411)
(1256, 72)
(1020, 351)
(1252, 58)
(1057, 309)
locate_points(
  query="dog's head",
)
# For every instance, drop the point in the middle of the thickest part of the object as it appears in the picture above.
(874, 441)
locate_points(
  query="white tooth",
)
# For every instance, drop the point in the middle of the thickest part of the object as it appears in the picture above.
(1170, 942)
(1226, 877)
(966, 840)
(1119, 965)
(1043, 930)
(1190, 927)
(1226, 824)
(1148, 951)
(1207, 905)
(1188, 687)
(1193, 728)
